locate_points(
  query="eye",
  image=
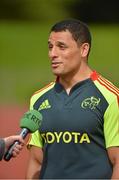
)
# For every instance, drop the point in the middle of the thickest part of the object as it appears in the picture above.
(62, 46)
(50, 46)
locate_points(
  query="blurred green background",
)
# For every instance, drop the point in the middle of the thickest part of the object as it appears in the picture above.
(24, 30)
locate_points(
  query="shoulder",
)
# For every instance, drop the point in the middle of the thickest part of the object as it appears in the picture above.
(40, 92)
(108, 89)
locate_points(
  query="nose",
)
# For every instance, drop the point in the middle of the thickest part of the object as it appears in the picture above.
(53, 53)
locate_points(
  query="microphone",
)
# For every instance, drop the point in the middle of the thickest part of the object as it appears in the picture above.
(29, 123)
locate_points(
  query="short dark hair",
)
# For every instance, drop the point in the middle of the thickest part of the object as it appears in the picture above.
(79, 30)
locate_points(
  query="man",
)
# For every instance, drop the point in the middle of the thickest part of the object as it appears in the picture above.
(5, 143)
(79, 134)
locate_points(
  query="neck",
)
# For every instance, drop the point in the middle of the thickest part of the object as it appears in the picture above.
(69, 81)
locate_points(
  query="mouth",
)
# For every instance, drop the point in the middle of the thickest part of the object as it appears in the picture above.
(55, 64)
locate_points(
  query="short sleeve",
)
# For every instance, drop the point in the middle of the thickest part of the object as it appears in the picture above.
(35, 140)
(111, 124)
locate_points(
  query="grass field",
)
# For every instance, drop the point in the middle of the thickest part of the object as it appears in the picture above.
(24, 64)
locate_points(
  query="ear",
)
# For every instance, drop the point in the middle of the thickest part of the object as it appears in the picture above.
(85, 49)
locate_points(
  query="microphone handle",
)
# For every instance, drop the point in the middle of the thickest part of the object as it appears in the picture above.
(24, 132)
(8, 155)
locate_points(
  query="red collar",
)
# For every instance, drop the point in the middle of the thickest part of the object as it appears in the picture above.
(94, 76)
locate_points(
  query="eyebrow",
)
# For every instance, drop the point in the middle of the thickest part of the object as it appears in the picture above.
(58, 42)
(62, 43)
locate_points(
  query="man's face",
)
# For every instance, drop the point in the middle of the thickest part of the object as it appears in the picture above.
(64, 53)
